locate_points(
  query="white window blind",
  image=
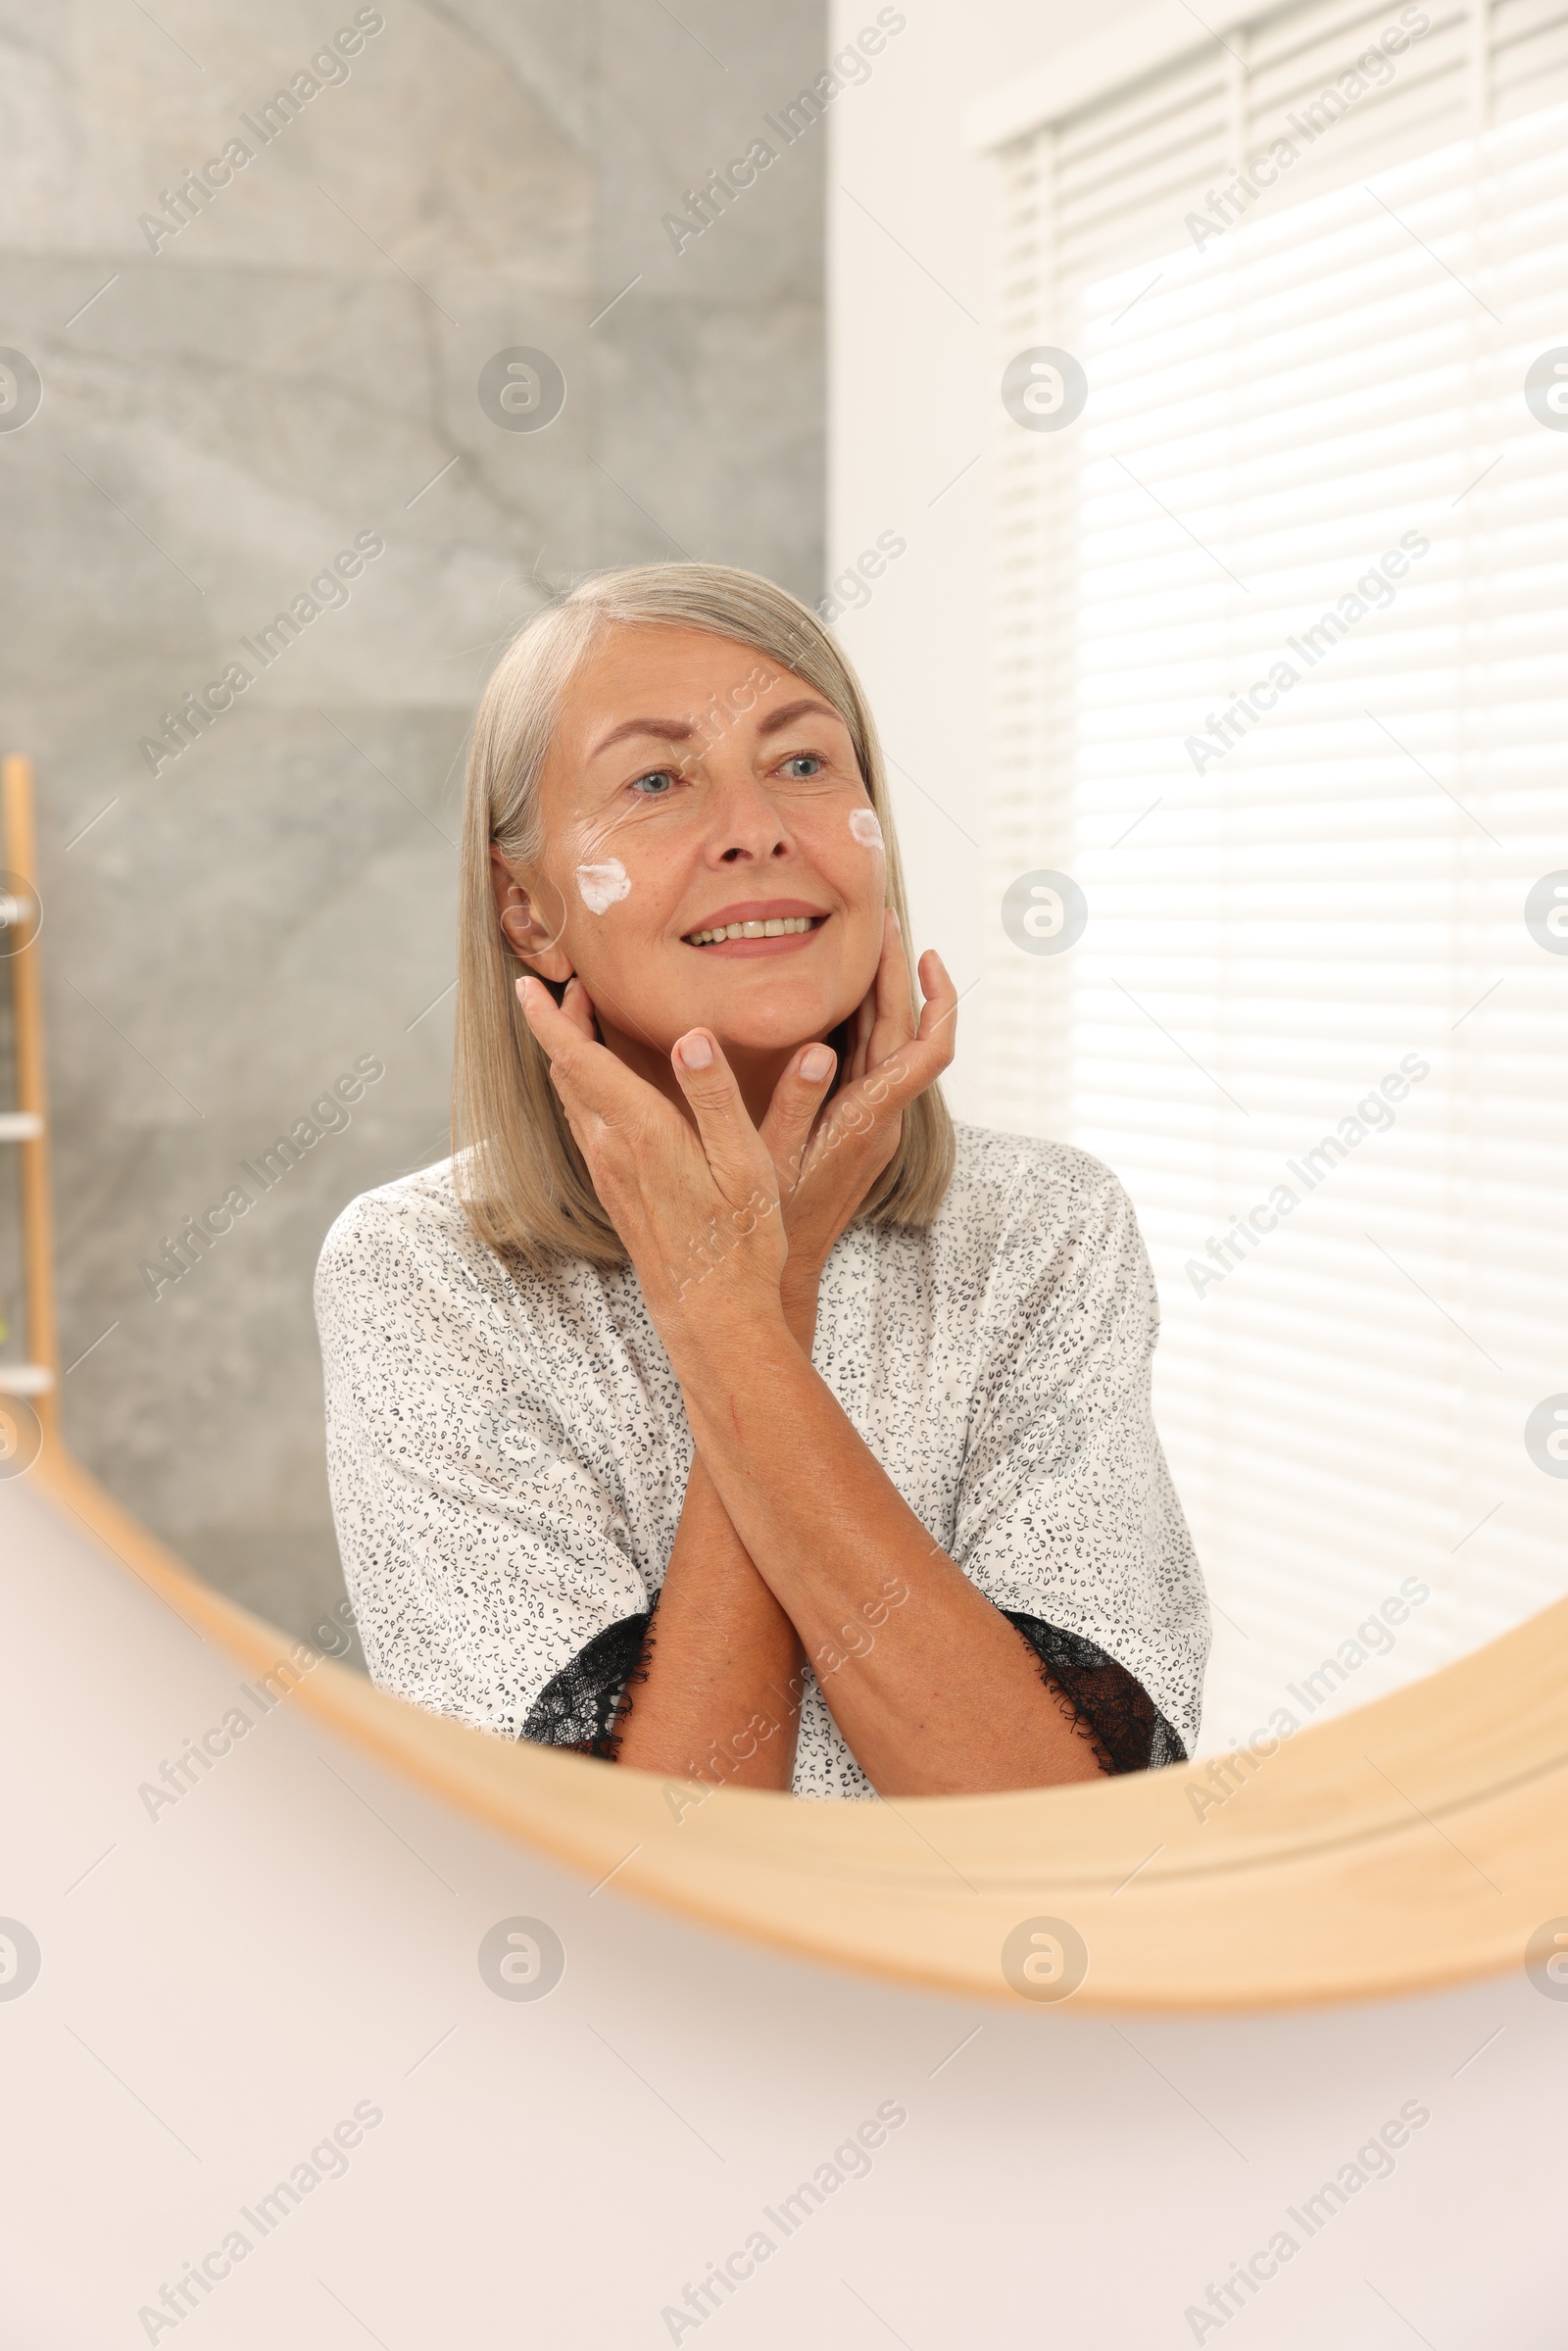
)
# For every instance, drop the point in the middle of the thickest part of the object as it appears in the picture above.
(1289, 902)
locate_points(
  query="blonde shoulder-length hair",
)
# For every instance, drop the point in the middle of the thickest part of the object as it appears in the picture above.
(519, 1175)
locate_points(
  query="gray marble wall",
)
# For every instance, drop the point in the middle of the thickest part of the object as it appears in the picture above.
(236, 391)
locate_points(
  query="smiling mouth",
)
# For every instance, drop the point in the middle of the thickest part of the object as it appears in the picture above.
(777, 932)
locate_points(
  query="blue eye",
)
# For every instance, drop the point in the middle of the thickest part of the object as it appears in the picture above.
(655, 775)
(807, 759)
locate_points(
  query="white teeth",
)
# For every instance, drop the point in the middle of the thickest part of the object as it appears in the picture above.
(774, 928)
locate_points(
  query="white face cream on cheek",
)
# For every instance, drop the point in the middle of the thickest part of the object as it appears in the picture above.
(602, 886)
(865, 828)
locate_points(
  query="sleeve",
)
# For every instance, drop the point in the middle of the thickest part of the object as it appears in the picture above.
(1066, 1517)
(581, 1708)
(489, 1568)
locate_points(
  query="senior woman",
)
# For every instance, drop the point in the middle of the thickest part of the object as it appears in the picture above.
(720, 1409)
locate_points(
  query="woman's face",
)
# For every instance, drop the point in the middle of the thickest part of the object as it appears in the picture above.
(693, 784)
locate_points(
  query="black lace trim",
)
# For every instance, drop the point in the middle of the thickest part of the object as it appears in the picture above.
(582, 1707)
(1115, 1713)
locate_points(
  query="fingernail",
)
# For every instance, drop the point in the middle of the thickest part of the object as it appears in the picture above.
(816, 1062)
(695, 1050)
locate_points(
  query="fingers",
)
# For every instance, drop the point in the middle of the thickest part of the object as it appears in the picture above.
(860, 1034)
(580, 1067)
(555, 1024)
(938, 1016)
(893, 1022)
(539, 1007)
(797, 1099)
(883, 1020)
(576, 1006)
(732, 1145)
(891, 1063)
(917, 1060)
(663, 1187)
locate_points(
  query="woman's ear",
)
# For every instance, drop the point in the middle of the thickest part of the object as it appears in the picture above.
(524, 927)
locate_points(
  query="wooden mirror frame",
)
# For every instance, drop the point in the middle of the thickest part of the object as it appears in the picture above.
(1413, 1842)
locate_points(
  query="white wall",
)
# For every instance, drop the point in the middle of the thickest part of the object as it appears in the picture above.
(224, 1983)
(912, 378)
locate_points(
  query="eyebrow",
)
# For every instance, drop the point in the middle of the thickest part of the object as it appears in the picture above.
(809, 706)
(668, 731)
(682, 730)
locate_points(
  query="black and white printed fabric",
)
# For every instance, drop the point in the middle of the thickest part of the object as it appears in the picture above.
(508, 1451)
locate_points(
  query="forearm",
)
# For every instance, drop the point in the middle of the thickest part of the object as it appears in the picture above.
(722, 1663)
(714, 1702)
(935, 1692)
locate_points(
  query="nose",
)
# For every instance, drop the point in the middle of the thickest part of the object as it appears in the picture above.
(748, 828)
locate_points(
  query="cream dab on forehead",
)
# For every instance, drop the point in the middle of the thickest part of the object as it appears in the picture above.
(603, 885)
(865, 828)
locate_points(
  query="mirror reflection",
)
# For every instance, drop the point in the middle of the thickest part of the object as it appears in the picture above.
(784, 987)
(720, 1407)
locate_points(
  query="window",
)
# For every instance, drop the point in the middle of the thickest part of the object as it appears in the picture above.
(1281, 643)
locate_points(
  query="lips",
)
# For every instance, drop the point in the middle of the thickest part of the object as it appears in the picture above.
(756, 914)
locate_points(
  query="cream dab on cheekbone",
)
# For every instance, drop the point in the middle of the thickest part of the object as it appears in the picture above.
(865, 828)
(602, 885)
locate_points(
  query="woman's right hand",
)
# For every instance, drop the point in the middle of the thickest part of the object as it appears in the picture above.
(828, 1157)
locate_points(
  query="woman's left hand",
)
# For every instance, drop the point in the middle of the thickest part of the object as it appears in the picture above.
(827, 1158)
(692, 1208)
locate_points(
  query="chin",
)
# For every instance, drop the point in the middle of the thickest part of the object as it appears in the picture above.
(775, 1027)
(773, 1037)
